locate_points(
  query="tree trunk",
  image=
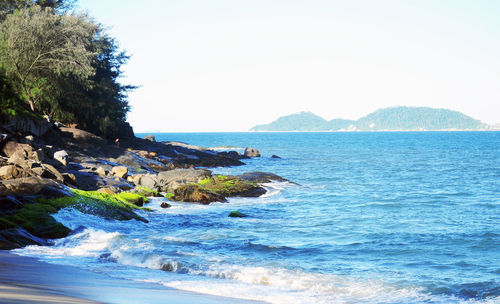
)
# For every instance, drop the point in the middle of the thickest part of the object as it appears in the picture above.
(32, 105)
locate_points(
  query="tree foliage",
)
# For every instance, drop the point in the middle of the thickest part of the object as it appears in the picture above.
(39, 44)
(62, 64)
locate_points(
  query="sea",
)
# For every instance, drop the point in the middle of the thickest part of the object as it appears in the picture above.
(375, 217)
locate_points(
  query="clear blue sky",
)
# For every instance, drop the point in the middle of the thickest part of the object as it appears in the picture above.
(227, 65)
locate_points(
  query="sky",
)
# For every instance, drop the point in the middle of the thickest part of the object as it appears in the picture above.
(227, 65)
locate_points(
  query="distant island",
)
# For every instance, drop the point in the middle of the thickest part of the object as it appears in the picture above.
(388, 119)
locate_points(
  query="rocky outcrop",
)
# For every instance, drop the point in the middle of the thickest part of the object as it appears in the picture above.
(168, 181)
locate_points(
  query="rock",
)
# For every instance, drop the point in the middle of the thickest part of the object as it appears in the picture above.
(69, 178)
(120, 171)
(39, 156)
(9, 172)
(12, 147)
(9, 204)
(251, 152)
(28, 186)
(262, 177)
(168, 181)
(275, 156)
(165, 205)
(230, 186)
(51, 172)
(150, 138)
(101, 171)
(132, 198)
(194, 194)
(231, 154)
(62, 157)
(148, 181)
(17, 238)
(237, 214)
(19, 159)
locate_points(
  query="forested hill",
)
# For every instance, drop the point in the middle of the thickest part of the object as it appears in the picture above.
(304, 121)
(59, 63)
(389, 119)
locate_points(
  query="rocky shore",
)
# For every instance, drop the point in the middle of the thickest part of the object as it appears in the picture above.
(47, 166)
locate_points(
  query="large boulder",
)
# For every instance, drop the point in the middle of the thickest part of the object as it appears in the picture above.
(251, 152)
(12, 148)
(30, 186)
(195, 194)
(168, 181)
(149, 181)
(17, 238)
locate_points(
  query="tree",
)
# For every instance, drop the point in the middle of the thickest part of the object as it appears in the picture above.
(38, 45)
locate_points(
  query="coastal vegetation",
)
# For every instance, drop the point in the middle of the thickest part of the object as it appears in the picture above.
(389, 119)
(61, 64)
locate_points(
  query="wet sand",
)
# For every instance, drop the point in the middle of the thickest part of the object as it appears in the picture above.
(26, 280)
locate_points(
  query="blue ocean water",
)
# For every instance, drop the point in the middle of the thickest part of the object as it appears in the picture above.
(389, 217)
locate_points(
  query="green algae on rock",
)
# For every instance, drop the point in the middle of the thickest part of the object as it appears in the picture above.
(35, 215)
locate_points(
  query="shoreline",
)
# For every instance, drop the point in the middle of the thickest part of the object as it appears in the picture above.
(27, 280)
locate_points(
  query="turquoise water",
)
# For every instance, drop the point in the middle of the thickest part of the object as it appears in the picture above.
(384, 217)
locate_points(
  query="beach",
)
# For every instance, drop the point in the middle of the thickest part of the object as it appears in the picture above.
(26, 280)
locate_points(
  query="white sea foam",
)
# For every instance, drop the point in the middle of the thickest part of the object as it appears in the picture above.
(213, 276)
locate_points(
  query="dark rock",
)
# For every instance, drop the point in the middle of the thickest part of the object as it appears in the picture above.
(231, 154)
(9, 203)
(150, 138)
(168, 181)
(262, 177)
(237, 214)
(17, 238)
(51, 172)
(165, 205)
(275, 156)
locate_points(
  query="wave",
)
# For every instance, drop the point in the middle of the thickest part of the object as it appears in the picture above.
(213, 275)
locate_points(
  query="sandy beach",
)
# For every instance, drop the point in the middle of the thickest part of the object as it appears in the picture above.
(26, 280)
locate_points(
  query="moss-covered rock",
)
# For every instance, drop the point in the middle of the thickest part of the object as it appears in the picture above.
(216, 189)
(196, 194)
(132, 198)
(147, 192)
(35, 216)
(228, 186)
(237, 214)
